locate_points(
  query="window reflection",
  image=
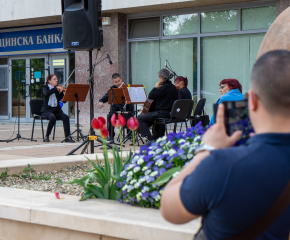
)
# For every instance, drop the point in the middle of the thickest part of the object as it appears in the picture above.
(180, 24)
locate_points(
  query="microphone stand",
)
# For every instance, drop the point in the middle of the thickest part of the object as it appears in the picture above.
(170, 68)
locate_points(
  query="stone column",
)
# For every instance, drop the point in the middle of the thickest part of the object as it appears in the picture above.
(115, 45)
(282, 5)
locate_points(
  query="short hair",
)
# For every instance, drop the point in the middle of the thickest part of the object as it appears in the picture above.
(232, 83)
(115, 75)
(182, 79)
(270, 80)
(167, 75)
(49, 77)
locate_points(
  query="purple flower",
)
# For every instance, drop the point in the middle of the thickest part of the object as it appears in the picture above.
(150, 179)
(124, 192)
(119, 185)
(155, 168)
(169, 165)
(175, 148)
(120, 200)
(147, 158)
(145, 195)
(126, 166)
(162, 170)
(149, 164)
(154, 194)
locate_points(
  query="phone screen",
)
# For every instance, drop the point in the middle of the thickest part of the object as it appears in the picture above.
(237, 118)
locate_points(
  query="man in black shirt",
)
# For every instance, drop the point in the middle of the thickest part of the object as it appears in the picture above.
(181, 84)
(164, 93)
(117, 80)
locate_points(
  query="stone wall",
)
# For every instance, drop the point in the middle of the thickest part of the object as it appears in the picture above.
(282, 5)
(115, 45)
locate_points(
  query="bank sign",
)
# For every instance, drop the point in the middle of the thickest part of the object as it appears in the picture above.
(46, 40)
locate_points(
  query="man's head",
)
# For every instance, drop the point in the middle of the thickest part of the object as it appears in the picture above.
(270, 83)
(117, 79)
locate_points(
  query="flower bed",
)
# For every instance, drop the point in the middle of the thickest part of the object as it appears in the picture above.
(164, 157)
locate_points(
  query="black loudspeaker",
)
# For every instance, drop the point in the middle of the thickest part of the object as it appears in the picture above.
(82, 24)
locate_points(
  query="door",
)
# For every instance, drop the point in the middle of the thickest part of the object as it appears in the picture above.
(28, 77)
(4, 93)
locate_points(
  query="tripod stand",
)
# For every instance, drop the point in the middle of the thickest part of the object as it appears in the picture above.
(18, 136)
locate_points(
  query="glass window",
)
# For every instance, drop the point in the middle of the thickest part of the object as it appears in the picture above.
(258, 18)
(3, 61)
(222, 21)
(227, 57)
(180, 24)
(147, 58)
(147, 27)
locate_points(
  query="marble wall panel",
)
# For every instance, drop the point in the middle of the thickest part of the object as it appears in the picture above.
(282, 5)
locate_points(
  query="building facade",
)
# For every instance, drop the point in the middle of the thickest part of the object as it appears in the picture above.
(206, 41)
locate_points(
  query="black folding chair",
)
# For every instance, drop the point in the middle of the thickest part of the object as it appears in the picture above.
(198, 114)
(180, 113)
(35, 109)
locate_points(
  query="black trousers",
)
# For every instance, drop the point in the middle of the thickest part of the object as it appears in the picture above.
(148, 119)
(52, 117)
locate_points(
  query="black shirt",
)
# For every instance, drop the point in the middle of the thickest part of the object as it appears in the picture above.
(164, 96)
(184, 93)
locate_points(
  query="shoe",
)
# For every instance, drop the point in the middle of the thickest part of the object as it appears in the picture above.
(46, 139)
(69, 139)
(110, 140)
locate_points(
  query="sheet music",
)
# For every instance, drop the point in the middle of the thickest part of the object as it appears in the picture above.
(137, 94)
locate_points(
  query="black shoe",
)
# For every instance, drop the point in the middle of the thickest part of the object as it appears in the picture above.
(46, 139)
(69, 139)
(110, 140)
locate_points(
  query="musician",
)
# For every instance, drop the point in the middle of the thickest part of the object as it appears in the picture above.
(165, 93)
(117, 81)
(181, 84)
(52, 94)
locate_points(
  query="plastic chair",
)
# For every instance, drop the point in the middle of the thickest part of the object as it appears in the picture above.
(198, 112)
(180, 113)
(35, 109)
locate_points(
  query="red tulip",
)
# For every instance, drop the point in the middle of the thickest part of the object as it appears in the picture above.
(118, 121)
(104, 132)
(97, 124)
(103, 120)
(132, 123)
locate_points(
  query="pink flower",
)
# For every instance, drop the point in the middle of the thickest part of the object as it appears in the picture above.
(97, 124)
(132, 123)
(118, 121)
(58, 196)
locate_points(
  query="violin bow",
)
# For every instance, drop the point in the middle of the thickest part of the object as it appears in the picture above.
(69, 77)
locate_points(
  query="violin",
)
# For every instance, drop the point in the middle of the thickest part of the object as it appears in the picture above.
(60, 86)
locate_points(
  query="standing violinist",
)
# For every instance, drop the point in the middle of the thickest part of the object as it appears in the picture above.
(52, 94)
(164, 93)
(117, 81)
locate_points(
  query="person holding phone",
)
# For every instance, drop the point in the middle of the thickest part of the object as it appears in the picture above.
(231, 90)
(233, 187)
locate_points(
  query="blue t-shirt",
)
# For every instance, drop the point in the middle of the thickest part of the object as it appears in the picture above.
(232, 95)
(233, 188)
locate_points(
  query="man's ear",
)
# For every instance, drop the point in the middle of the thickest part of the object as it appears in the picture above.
(252, 101)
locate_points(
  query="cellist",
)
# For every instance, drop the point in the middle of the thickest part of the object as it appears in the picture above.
(164, 93)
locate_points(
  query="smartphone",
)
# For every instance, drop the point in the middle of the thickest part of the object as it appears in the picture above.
(237, 118)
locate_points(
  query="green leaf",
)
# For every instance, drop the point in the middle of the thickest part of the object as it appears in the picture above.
(87, 194)
(96, 190)
(107, 191)
(98, 179)
(117, 178)
(107, 168)
(164, 178)
(115, 193)
(100, 171)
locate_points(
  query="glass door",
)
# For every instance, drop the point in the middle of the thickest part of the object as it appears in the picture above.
(4, 93)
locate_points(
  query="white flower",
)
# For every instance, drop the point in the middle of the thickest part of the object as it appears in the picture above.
(175, 174)
(181, 141)
(129, 178)
(158, 140)
(138, 196)
(165, 152)
(189, 156)
(159, 150)
(137, 185)
(140, 161)
(153, 174)
(130, 166)
(157, 197)
(136, 169)
(164, 138)
(130, 174)
(148, 172)
(145, 189)
(171, 152)
(159, 162)
(136, 157)
(124, 187)
(144, 168)
(133, 181)
(130, 188)
(151, 152)
(141, 180)
(185, 145)
(161, 191)
(123, 173)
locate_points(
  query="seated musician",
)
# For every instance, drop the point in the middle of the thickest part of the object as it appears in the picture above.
(181, 84)
(117, 81)
(164, 93)
(52, 94)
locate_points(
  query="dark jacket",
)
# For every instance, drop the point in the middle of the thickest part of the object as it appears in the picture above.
(184, 93)
(46, 93)
(164, 96)
(116, 107)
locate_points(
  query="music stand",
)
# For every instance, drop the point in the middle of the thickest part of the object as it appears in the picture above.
(76, 93)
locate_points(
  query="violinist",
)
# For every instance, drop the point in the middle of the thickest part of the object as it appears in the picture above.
(117, 81)
(181, 84)
(52, 94)
(164, 93)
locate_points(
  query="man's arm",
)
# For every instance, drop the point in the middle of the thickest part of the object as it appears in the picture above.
(172, 207)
